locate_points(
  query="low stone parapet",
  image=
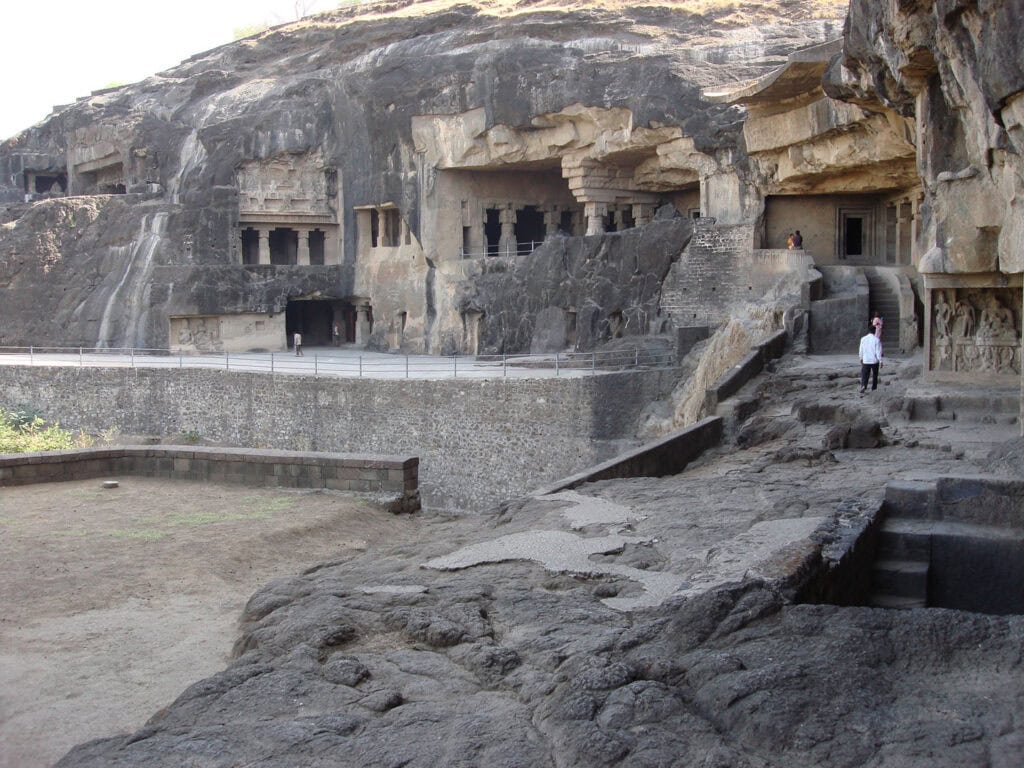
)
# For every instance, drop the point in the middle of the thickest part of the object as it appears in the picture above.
(395, 478)
(668, 455)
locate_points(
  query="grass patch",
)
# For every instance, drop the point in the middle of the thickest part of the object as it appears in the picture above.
(144, 535)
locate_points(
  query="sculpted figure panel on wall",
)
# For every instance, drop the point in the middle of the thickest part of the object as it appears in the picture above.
(199, 334)
(976, 330)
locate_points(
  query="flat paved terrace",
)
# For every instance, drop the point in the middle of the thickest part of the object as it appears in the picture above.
(351, 362)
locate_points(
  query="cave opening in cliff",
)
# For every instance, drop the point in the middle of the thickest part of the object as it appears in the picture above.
(317, 239)
(565, 223)
(313, 318)
(45, 183)
(492, 230)
(284, 246)
(529, 228)
(250, 246)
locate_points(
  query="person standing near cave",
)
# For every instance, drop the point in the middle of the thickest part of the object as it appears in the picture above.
(790, 238)
(870, 359)
(798, 241)
(298, 344)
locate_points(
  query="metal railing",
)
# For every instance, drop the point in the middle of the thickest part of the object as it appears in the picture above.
(323, 362)
(521, 249)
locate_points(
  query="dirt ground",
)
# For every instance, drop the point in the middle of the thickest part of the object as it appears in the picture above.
(113, 601)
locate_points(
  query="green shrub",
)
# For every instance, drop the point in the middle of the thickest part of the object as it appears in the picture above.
(24, 432)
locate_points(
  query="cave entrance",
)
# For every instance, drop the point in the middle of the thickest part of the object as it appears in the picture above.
(250, 246)
(284, 248)
(529, 229)
(492, 230)
(313, 319)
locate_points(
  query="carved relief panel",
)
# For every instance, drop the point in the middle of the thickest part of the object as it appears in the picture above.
(976, 330)
(287, 184)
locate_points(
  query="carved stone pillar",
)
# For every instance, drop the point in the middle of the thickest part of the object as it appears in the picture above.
(302, 255)
(552, 218)
(595, 213)
(507, 242)
(643, 213)
(264, 249)
(362, 324)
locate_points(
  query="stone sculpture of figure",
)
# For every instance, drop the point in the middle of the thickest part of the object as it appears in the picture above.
(201, 335)
(963, 326)
(943, 316)
(185, 334)
(996, 322)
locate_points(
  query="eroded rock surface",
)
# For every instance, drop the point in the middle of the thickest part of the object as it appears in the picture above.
(518, 658)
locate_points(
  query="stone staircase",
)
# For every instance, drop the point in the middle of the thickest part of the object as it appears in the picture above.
(885, 301)
(899, 574)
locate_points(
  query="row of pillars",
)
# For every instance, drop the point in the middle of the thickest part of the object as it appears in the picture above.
(597, 215)
(302, 251)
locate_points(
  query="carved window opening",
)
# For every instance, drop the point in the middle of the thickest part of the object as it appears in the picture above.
(570, 329)
(284, 246)
(565, 223)
(317, 241)
(250, 246)
(626, 217)
(529, 228)
(492, 230)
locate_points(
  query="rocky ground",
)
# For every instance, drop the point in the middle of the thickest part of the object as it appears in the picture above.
(643, 622)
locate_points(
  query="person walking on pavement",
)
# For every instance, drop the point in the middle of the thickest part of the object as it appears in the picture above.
(870, 359)
(298, 344)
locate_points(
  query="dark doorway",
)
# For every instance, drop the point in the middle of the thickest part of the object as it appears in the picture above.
(610, 225)
(284, 247)
(310, 318)
(628, 222)
(853, 236)
(250, 246)
(529, 228)
(565, 223)
(492, 230)
(316, 247)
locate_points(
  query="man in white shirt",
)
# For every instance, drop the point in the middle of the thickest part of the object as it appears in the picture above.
(870, 359)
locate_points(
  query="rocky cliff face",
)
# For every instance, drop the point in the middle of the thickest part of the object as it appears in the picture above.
(957, 67)
(156, 170)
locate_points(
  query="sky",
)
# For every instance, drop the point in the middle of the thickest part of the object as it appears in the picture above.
(55, 51)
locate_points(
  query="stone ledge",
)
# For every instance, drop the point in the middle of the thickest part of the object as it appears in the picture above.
(396, 477)
(667, 456)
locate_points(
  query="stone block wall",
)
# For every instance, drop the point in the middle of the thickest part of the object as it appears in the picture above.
(396, 477)
(479, 441)
(720, 270)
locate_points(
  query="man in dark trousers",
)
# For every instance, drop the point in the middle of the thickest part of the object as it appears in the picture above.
(870, 359)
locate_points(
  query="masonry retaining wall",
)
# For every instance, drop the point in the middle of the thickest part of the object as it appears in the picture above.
(479, 441)
(395, 477)
(668, 455)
